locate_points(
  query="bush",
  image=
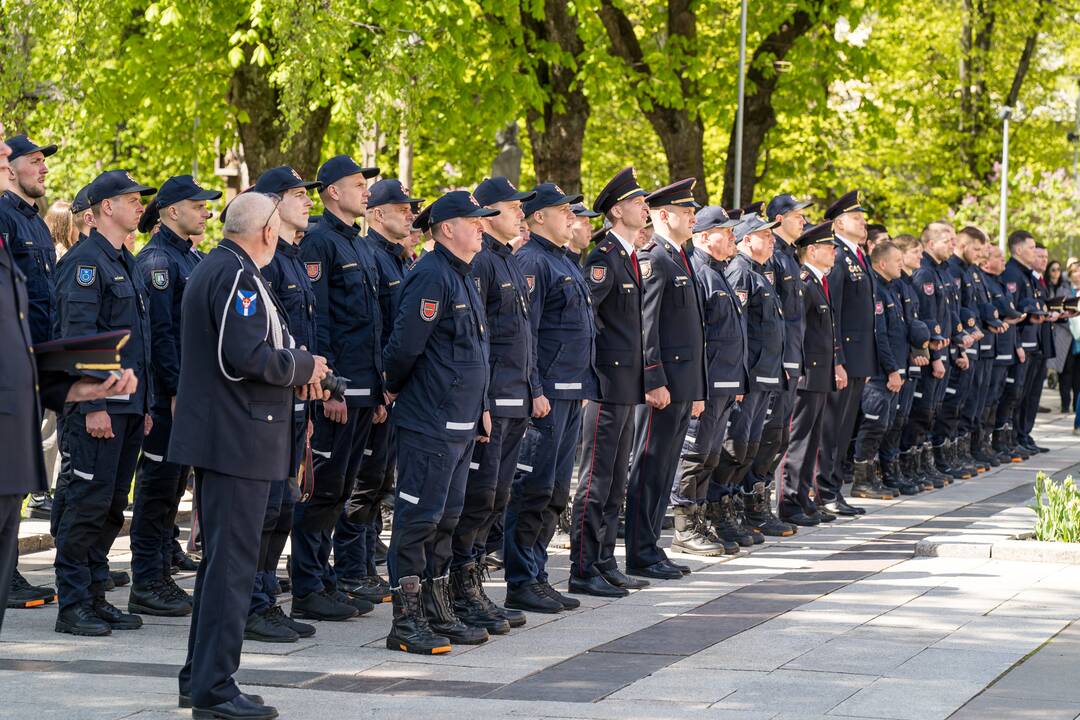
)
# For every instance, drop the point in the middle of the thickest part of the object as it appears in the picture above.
(1057, 509)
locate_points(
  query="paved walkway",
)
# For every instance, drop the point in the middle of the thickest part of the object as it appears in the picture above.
(840, 621)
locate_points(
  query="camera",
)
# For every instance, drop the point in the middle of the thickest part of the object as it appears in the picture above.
(335, 385)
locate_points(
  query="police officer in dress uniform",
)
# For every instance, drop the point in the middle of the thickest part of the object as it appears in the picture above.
(349, 330)
(437, 374)
(613, 273)
(1006, 349)
(389, 219)
(563, 325)
(765, 355)
(31, 245)
(1043, 347)
(818, 380)
(286, 277)
(851, 295)
(164, 264)
(514, 395)
(711, 530)
(879, 395)
(237, 350)
(675, 377)
(99, 288)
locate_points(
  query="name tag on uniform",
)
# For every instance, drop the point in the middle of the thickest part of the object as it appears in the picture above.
(392, 283)
(346, 266)
(460, 306)
(504, 285)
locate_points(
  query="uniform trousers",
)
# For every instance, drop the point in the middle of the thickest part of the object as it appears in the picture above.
(746, 422)
(159, 487)
(890, 444)
(355, 536)
(841, 413)
(701, 450)
(432, 472)
(487, 490)
(800, 463)
(1028, 407)
(10, 515)
(231, 511)
(608, 438)
(947, 418)
(540, 490)
(658, 442)
(775, 435)
(94, 503)
(878, 410)
(995, 388)
(974, 401)
(1010, 394)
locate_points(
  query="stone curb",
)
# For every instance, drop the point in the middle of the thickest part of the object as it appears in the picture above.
(41, 542)
(1013, 547)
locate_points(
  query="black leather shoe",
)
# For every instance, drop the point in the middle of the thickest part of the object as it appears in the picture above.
(800, 518)
(239, 708)
(618, 578)
(40, 506)
(119, 578)
(568, 603)
(321, 606)
(684, 569)
(824, 514)
(184, 701)
(157, 598)
(117, 619)
(597, 586)
(267, 628)
(363, 607)
(657, 571)
(840, 506)
(532, 598)
(81, 620)
(184, 562)
(302, 629)
(370, 588)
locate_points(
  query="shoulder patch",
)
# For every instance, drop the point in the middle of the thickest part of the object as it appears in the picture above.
(530, 280)
(246, 302)
(429, 310)
(879, 309)
(645, 266)
(159, 278)
(1011, 287)
(770, 276)
(928, 288)
(85, 275)
(648, 246)
(597, 273)
(314, 270)
(742, 295)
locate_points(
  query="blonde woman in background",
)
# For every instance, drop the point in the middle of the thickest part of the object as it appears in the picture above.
(61, 224)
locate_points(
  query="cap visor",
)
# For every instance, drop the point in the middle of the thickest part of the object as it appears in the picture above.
(569, 199)
(206, 195)
(309, 184)
(587, 213)
(369, 172)
(47, 150)
(523, 196)
(482, 212)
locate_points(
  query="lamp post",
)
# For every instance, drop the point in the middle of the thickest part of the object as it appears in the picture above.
(1004, 113)
(739, 112)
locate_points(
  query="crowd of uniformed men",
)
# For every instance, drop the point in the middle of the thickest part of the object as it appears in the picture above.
(677, 357)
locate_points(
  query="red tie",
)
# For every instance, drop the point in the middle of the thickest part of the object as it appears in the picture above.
(825, 286)
(684, 260)
(862, 258)
(637, 268)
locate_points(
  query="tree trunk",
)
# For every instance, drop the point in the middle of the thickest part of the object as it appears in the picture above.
(405, 158)
(759, 116)
(263, 135)
(1024, 63)
(557, 130)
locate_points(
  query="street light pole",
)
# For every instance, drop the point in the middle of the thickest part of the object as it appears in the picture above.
(739, 112)
(1005, 113)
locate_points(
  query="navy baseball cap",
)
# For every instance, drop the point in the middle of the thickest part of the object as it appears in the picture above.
(580, 210)
(679, 193)
(1006, 308)
(389, 192)
(814, 234)
(750, 224)
(21, 145)
(81, 203)
(548, 195)
(341, 166)
(422, 221)
(712, 216)
(111, 183)
(624, 186)
(784, 203)
(1032, 306)
(150, 217)
(457, 204)
(935, 333)
(755, 207)
(498, 189)
(282, 179)
(918, 333)
(183, 187)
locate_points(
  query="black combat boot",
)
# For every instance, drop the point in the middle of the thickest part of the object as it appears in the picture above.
(516, 618)
(1015, 444)
(761, 516)
(893, 479)
(926, 467)
(738, 511)
(959, 461)
(157, 598)
(705, 528)
(410, 631)
(1001, 446)
(470, 607)
(864, 485)
(977, 448)
(437, 609)
(22, 594)
(688, 536)
(722, 519)
(940, 457)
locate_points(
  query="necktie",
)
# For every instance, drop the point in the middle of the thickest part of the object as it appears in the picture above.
(862, 258)
(637, 268)
(684, 260)
(825, 287)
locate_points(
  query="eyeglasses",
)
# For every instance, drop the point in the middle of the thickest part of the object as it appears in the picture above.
(276, 199)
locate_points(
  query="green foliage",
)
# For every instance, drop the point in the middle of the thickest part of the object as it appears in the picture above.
(1057, 509)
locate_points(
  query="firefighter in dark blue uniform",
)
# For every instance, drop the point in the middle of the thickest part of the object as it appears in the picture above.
(708, 528)
(1025, 270)
(286, 277)
(851, 295)
(614, 277)
(816, 382)
(164, 264)
(342, 271)
(99, 288)
(238, 351)
(931, 285)
(1006, 348)
(389, 218)
(782, 270)
(673, 325)
(514, 395)
(880, 394)
(437, 373)
(765, 369)
(561, 317)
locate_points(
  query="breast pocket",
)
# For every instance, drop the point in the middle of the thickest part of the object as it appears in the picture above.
(571, 301)
(121, 311)
(357, 288)
(466, 339)
(628, 297)
(682, 290)
(508, 311)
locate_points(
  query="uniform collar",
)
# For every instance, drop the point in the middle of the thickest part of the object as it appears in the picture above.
(391, 248)
(818, 274)
(877, 276)
(239, 251)
(461, 267)
(955, 259)
(168, 236)
(497, 247)
(21, 205)
(669, 245)
(853, 247)
(107, 247)
(758, 267)
(286, 247)
(338, 225)
(781, 244)
(546, 244)
(930, 260)
(627, 246)
(709, 260)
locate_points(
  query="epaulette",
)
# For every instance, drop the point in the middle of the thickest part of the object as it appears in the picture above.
(606, 246)
(651, 245)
